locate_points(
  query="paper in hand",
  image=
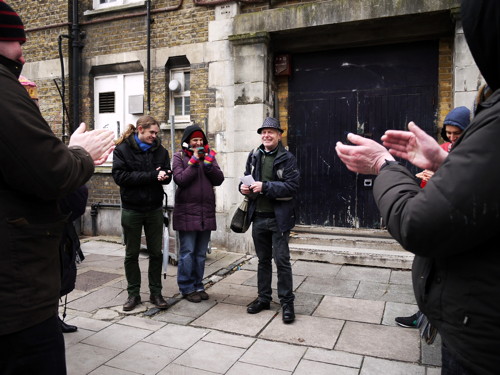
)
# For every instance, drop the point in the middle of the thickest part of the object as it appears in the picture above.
(247, 180)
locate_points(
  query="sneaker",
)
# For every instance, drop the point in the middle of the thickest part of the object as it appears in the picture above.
(193, 297)
(203, 295)
(407, 321)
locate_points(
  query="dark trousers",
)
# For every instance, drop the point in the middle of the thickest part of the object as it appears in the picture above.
(132, 223)
(450, 364)
(38, 350)
(270, 244)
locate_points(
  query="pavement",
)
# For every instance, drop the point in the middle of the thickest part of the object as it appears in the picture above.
(344, 325)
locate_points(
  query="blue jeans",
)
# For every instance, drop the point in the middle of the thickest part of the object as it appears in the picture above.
(132, 223)
(35, 350)
(192, 255)
(270, 243)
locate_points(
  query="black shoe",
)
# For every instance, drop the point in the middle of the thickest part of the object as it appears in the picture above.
(131, 303)
(257, 306)
(288, 313)
(67, 328)
(158, 301)
(408, 321)
(203, 295)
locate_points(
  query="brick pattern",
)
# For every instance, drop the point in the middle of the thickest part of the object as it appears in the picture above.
(445, 76)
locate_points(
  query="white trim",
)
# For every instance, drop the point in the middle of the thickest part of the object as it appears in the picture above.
(112, 7)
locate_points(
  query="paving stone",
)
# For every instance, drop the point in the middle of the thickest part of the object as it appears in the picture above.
(210, 357)
(306, 367)
(401, 277)
(236, 319)
(238, 277)
(105, 370)
(102, 262)
(116, 337)
(81, 359)
(92, 279)
(146, 358)
(433, 371)
(374, 366)
(240, 368)
(315, 268)
(306, 303)
(74, 338)
(234, 289)
(394, 309)
(104, 248)
(175, 336)
(351, 309)
(334, 357)
(380, 341)
(297, 280)
(305, 330)
(229, 339)
(431, 354)
(274, 355)
(329, 286)
(191, 309)
(168, 317)
(379, 275)
(89, 324)
(96, 299)
(175, 369)
(135, 321)
(244, 300)
(385, 292)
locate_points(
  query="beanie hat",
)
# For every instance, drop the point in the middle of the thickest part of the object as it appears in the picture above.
(11, 26)
(459, 117)
(270, 123)
(196, 134)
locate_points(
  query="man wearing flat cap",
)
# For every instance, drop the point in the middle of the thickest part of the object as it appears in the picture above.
(37, 169)
(272, 212)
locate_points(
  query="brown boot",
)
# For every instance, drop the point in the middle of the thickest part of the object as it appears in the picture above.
(158, 301)
(131, 303)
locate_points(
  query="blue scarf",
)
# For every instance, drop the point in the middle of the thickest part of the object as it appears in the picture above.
(143, 146)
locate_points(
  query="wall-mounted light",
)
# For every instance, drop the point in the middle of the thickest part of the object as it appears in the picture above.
(174, 85)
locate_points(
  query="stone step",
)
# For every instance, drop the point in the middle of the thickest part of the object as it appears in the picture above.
(341, 240)
(352, 255)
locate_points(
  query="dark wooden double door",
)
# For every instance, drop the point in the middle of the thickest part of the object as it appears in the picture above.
(364, 91)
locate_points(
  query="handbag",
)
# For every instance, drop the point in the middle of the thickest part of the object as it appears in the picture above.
(240, 222)
(427, 331)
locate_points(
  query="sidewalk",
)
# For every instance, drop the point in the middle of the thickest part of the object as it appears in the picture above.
(344, 325)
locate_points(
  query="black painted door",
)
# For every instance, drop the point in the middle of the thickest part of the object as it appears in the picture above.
(364, 91)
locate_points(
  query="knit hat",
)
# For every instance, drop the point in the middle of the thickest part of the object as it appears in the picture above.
(196, 134)
(459, 117)
(11, 26)
(270, 123)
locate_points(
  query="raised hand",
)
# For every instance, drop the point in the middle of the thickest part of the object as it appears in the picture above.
(98, 143)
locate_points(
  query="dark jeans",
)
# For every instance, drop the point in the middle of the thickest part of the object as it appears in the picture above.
(36, 350)
(192, 256)
(132, 223)
(450, 364)
(270, 243)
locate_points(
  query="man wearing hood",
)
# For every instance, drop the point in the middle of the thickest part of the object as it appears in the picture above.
(36, 170)
(456, 277)
(196, 172)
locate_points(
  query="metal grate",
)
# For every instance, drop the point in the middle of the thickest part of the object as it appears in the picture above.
(106, 102)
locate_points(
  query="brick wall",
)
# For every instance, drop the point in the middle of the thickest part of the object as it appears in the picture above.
(445, 77)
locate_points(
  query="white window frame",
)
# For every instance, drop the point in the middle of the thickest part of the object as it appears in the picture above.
(178, 74)
(114, 3)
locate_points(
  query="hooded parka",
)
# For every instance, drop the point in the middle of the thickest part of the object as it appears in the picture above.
(452, 225)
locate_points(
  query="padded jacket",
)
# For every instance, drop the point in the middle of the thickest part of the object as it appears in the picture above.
(135, 171)
(36, 170)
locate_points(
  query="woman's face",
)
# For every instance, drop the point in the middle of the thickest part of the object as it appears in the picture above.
(453, 133)
(196, 142)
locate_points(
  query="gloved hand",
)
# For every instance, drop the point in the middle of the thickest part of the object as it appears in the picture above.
(209, 158)
(194, 160)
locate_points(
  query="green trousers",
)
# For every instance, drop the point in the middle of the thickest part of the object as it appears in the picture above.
(132, 223)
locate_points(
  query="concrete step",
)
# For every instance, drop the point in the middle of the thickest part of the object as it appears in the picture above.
(345, 241)
(352, 255)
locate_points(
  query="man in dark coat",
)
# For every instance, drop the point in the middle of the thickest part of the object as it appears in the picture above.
(272, 212)
(36, 170)
(456, 276)
(141, 166)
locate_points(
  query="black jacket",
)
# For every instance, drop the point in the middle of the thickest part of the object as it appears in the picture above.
(36, 170)
(281, 190)
(135, 171)
(452, 224)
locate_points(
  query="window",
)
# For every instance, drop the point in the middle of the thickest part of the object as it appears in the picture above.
(103, 4)
(180, 95)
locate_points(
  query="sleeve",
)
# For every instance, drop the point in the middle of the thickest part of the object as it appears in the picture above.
(288, 184)
(184, 175)
(214, 173)
(34, 160)
(459, 208)
(166, 167)
(124, 175)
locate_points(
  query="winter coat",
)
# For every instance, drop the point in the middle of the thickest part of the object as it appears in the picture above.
(36, 170)
(135, 171)
(456, 271)
(281, 190)
(194, 208)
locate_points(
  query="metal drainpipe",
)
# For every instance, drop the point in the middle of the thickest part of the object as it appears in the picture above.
(75, 66)
(148, 82)
(94, 211)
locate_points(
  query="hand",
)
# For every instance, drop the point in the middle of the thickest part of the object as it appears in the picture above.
(245, 189)
(256, 187)
(163, 175)
(366, 157)
(200, 153)
(425, 175)
(416, 146)
(210, 157)
(98, 143)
